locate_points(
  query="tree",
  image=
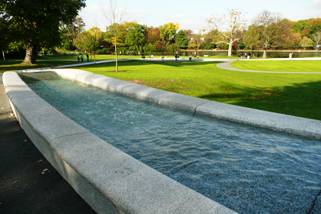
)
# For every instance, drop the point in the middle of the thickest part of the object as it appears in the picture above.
(5, 38)
(153, 39)
(302, 27)
(153, 35)
(212, 39)
(317, 39)
(308, 27)
(306, 43)
(114, 31)
(196, 42)
(83, 41)
(269, 31)
(136, 38)
(89, 41)
(119, 30)
(182, 39)
(284, 36)
(97, 39)
(252, 37)
(235, 27)
(168, 33)
(264, 21)
(69, 32)
(37, 22)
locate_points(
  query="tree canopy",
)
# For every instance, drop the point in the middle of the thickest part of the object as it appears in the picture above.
(182, 39)
(168, 33)
(36, 23)
(4, 34)
(135, 38)
(89, 41)
(68, 33)
(267, 31)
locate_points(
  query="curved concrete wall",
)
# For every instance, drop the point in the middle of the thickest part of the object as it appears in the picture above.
(108, 179)
(201, 107)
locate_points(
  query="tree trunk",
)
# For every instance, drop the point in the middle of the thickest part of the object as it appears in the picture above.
(264, 54)
(230, 48)
(116, 52)
(3, 56)
(30, 56)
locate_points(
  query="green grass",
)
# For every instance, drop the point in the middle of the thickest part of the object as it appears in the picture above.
(291, 94)
(287, 66)
(50, 61)
(56, 60)
(222, 57)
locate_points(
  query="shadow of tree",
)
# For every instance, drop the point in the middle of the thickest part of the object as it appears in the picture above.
(11, 65)
(144, 63)
(302, 100)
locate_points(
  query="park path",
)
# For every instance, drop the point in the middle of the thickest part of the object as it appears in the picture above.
(28, 183)
(228, 66)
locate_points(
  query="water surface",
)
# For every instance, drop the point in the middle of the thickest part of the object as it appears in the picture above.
(249, 170)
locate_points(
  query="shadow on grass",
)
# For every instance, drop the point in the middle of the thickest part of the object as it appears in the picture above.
(144, 63)
(45, 61)
(11, 65)
(303, 100)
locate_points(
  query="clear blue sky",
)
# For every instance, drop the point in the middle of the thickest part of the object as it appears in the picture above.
(193, 14)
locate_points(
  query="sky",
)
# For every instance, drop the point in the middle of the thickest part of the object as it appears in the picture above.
(193, 14)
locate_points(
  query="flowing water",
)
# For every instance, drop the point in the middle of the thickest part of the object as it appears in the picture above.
(247, 169)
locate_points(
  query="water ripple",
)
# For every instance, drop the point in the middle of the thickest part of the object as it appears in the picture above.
(247, 169)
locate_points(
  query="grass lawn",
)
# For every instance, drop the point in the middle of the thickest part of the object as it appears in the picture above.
(49, 61)
(293, 66)
(16, 64)
(56, 60)
(222, 57)
(292, 94)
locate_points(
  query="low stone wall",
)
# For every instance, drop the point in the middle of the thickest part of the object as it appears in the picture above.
(109, 180)
(199, 107)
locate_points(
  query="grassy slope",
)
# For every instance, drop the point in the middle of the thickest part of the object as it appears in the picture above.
(298, 95)
(293, 66)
